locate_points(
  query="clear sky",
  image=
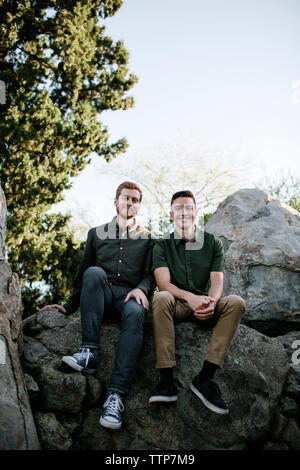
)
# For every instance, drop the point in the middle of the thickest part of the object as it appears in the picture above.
(223, 73)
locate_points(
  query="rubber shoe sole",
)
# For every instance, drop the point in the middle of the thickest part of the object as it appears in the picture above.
(69, 360)
(162, 399)
(208, 405)
(109, 424)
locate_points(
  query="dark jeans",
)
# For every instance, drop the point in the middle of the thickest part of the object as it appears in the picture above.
(97, 298)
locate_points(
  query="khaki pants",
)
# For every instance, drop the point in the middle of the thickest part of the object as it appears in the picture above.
(167, 310)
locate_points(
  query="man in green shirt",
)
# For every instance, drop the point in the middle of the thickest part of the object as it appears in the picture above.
(114, 276)
(189, 269)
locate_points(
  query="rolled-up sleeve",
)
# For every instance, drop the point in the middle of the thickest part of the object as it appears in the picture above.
(159, 259)
(218, 261)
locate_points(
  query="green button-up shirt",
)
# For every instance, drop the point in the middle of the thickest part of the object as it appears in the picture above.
(190, 263)
(125, 257)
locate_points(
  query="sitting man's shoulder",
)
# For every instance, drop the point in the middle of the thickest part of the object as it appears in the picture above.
(211, 237)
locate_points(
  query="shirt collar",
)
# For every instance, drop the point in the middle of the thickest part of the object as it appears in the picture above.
(197, 238)
(114, 224)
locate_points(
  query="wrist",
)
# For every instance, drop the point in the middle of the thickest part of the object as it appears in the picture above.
(186, 296)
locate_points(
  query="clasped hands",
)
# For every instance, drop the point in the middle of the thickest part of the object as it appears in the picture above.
(203, 306)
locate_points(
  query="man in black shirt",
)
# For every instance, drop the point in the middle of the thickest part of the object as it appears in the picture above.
(114, 275)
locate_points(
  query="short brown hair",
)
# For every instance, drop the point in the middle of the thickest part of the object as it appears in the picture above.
(185, 193)
(128, 185)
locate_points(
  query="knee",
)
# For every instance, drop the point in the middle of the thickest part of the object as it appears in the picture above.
(238, 303)
(134, 313)
(163, 299)
(163, 302)
(94, 275)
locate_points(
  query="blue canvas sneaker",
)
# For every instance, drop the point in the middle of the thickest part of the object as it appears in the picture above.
(83, 361)
(112, 412)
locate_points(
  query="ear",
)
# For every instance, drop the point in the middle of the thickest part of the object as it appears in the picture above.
(172, 215)
(115, 201)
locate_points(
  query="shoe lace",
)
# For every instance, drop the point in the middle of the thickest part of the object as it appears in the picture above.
(86, 354)
(114, 404)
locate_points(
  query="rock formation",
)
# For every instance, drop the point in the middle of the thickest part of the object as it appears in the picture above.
(260, 379)
(261, 238)
(17, 427)
(257, 381)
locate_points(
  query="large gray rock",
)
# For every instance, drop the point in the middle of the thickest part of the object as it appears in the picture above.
(261, 238)
(53, 435)
(17, 427)
(252, 380)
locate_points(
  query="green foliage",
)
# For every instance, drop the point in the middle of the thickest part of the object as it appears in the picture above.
(294, 201)
(60, 71)
(206, 217)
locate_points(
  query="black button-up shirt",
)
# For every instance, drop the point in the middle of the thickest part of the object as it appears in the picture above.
(125, 256)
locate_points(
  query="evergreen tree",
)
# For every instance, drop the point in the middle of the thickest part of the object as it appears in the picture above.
(60, 72)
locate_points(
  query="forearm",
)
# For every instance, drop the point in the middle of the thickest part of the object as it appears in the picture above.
(216, 291)
(147, 285)
(174, 290)
(72, 303)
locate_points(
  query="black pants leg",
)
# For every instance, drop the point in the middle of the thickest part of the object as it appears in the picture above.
(96, 297)
(132, 317)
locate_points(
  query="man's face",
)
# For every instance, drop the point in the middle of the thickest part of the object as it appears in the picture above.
(128, 203)
(183, 213)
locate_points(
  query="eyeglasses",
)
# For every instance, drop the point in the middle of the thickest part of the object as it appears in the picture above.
(185, 207)
(123, 199)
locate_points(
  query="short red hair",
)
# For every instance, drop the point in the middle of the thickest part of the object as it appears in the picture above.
(128, 185)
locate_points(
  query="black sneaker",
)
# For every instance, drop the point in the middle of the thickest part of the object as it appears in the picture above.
(165, 392)
(209, 392)
(112, 412)
(85, 361)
